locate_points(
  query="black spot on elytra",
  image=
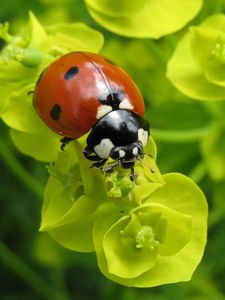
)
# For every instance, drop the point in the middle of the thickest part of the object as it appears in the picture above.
(71, 72)
(55, 112)
(113, 99)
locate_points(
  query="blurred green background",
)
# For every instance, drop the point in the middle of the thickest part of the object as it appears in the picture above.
(32, 266)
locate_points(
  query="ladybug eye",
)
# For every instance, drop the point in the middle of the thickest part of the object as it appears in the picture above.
(114, 154)
(122, 153)
(135, 151)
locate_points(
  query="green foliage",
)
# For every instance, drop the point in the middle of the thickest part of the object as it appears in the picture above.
(143, 18)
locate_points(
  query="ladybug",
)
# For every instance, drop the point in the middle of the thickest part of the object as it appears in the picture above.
(82, 92)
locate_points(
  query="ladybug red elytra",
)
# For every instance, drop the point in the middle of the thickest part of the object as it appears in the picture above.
(82, 91)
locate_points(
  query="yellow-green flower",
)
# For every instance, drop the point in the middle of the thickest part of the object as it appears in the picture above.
(146, 233)
(143, 18)
(197, 65)
(161, 241)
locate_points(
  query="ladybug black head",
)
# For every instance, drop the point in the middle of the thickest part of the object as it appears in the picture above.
(127, 155)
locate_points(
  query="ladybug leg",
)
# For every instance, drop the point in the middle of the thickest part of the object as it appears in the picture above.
(98, 164)
(110, 168)
(90, 156)
(64, 141)
(30, 93)
(132, 174)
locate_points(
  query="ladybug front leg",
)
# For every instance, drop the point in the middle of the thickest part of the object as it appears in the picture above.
(132, 174)
(98, 164)
(91, 156)
(110, 168)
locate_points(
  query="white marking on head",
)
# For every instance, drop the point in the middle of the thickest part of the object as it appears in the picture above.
(143, 136)
(121, 153)
(103, 110)
(104, 148)
(125, 104)
(135, 151)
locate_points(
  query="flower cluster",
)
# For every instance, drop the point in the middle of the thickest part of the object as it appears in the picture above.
(143, 18)
(145, 233)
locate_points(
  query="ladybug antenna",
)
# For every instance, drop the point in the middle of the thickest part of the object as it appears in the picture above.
(144, 163)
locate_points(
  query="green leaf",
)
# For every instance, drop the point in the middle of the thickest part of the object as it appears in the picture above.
(74, 37)
(4, 32)
(43, 146)
(76, 236)
(37, 33)
(68, 212)
(157, 18)
(110, 7)
(216, 75)
(143, 190)
(108, 214)
(19, 113)
(13, 77)
(74, 229)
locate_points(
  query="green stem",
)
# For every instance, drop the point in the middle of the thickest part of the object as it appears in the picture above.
(198, 173)
(21, 269)
(180, 136)
(22, 174)
(208, 289)
(218, 6)
(214, 108)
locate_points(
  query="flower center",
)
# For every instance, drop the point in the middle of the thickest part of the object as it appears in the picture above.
(218, 52)
(145, 237)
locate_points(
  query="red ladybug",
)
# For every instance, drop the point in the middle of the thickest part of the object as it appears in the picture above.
(82, 91)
